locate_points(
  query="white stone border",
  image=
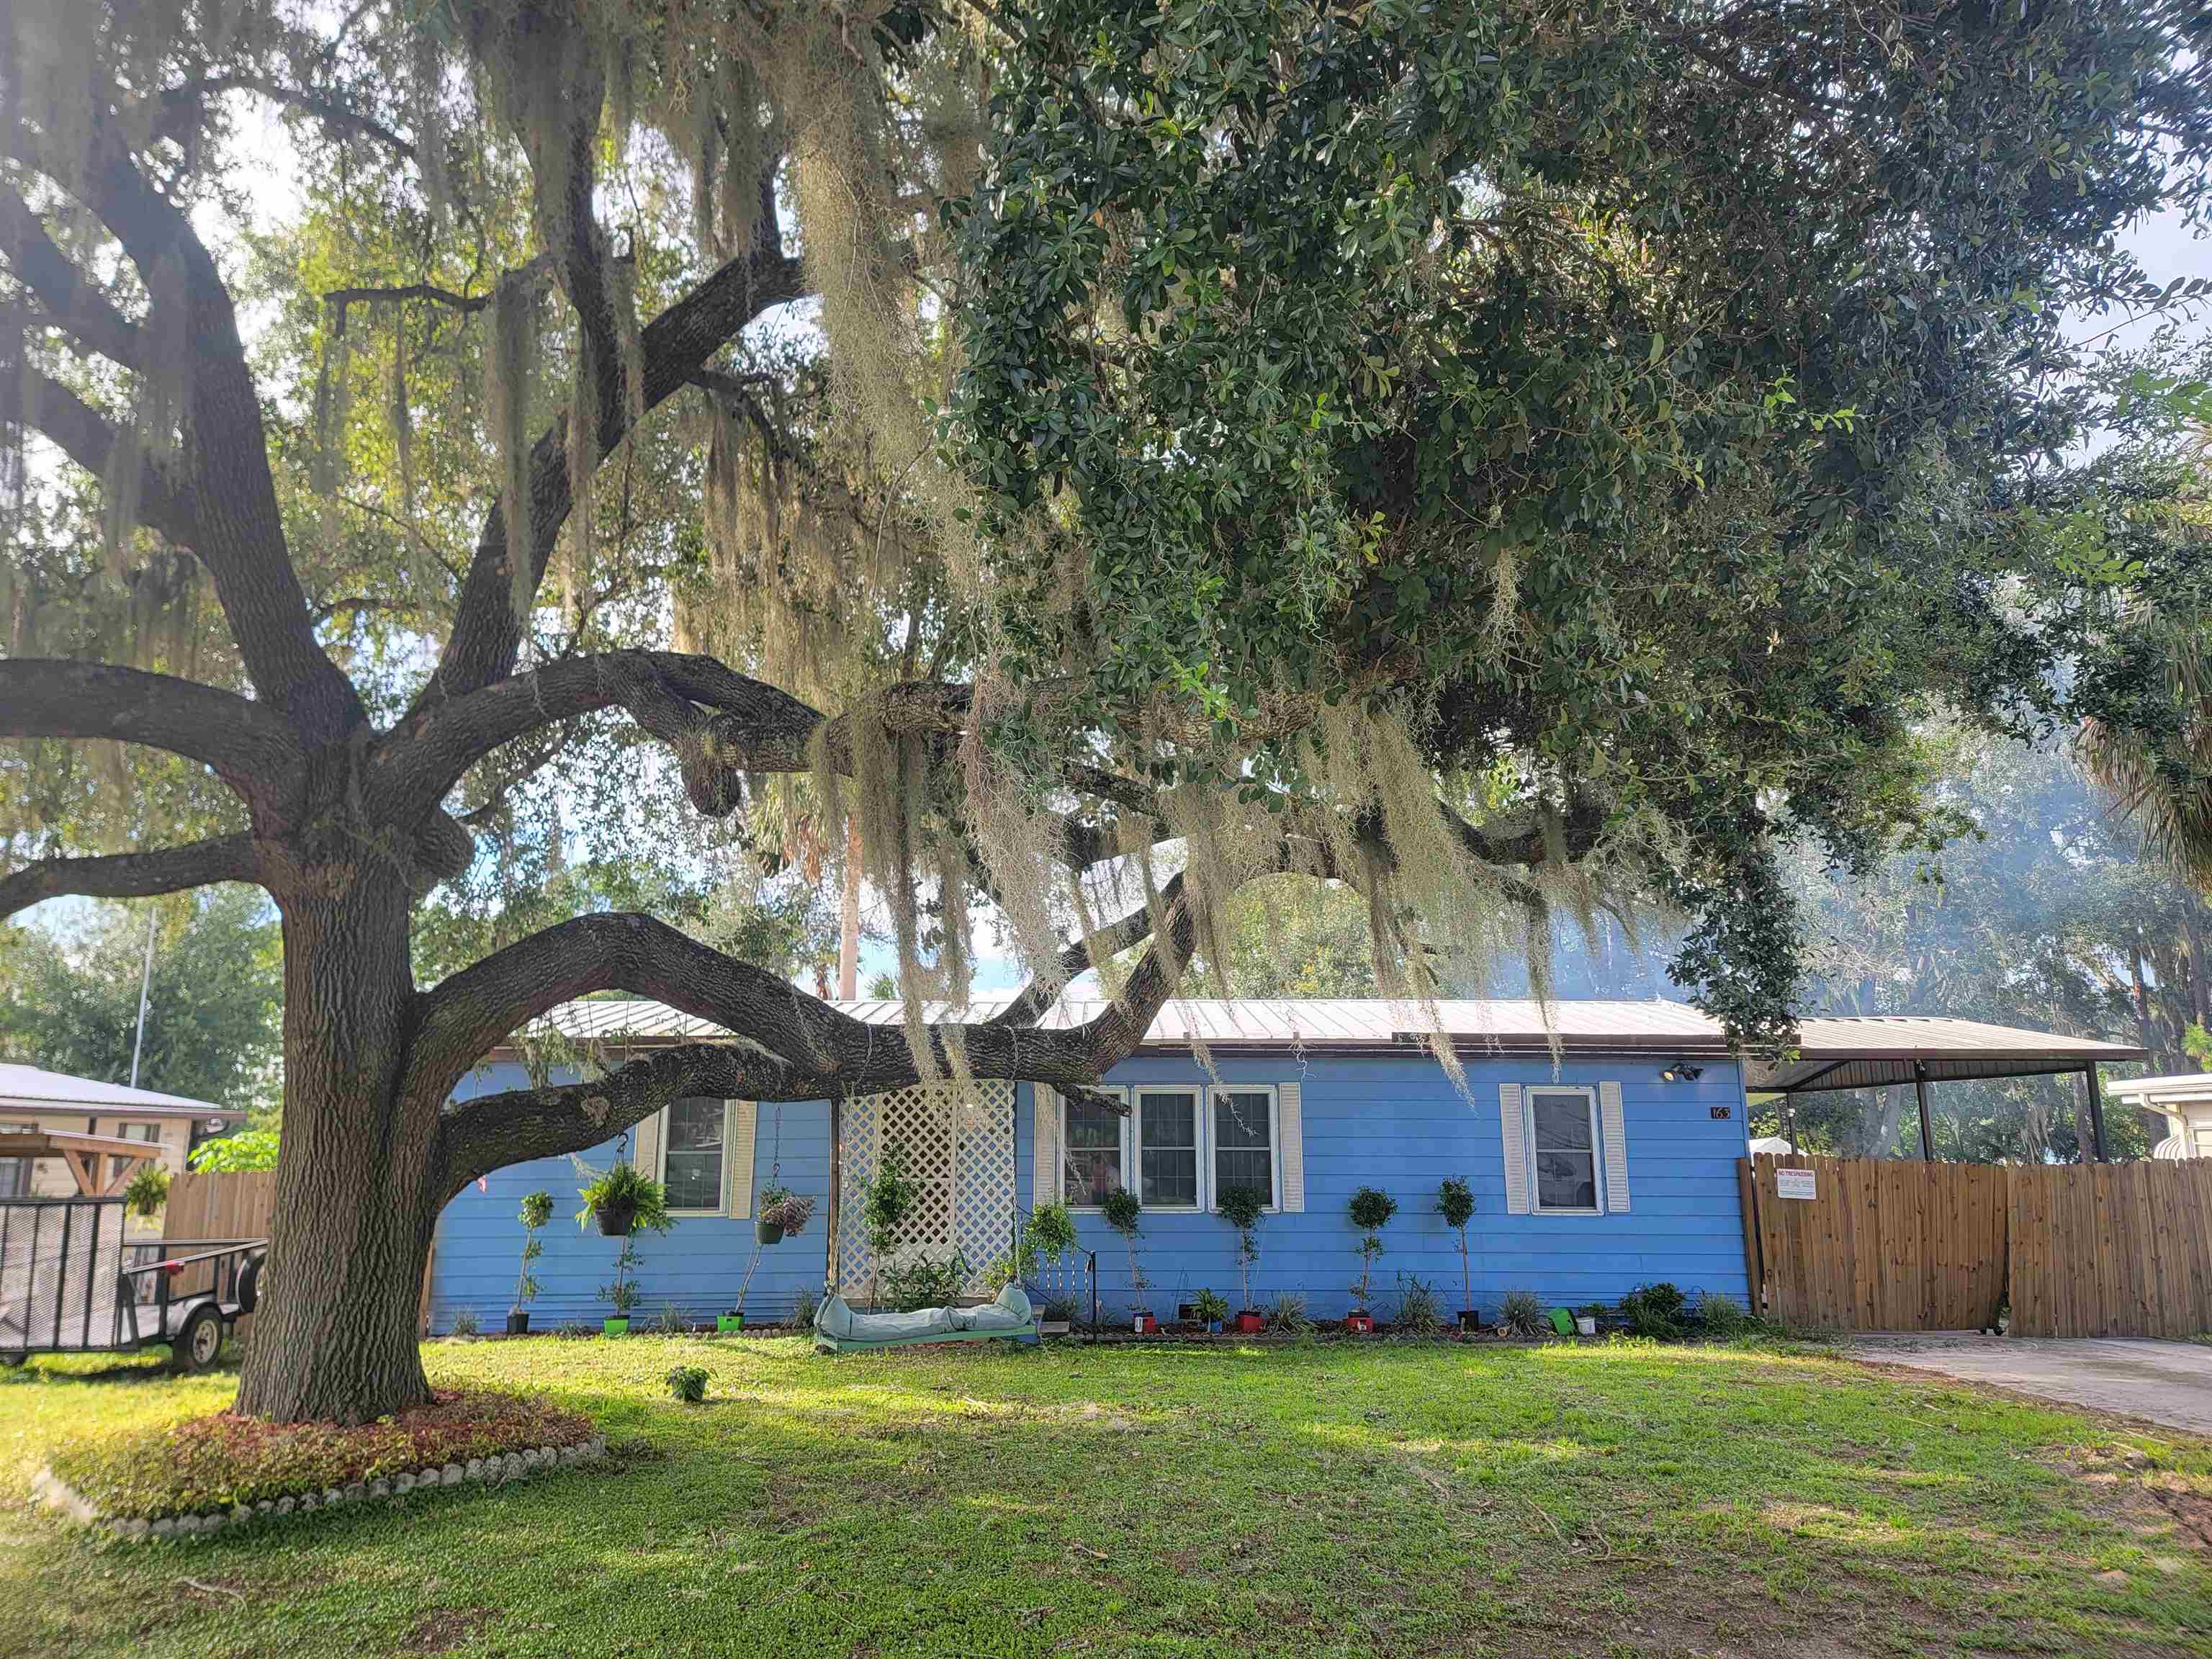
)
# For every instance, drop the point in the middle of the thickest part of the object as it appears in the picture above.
(49, 1488)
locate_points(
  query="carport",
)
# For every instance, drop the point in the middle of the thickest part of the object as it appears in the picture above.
(1881, 1051)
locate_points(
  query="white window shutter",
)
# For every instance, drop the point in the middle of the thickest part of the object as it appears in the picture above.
(1289, 1124)
(1614, 1126)
(1510, 1126)
(1044, 1146)
(740, 1118)
(645, 1145)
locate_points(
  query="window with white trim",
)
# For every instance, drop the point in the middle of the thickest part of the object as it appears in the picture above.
(139, 1130)
(691, 1145)
(1247, 1152)
(1091, 1142)
(1563, 1149)
(1167, 1131)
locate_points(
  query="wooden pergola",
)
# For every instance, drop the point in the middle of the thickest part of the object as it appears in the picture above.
(102, 1164)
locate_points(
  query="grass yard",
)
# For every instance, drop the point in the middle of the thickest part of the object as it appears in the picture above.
(1357, 1499)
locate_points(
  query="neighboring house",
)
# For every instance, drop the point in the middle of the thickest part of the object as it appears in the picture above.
(34, 1099)
(2184, 1100)
(1610, 1166)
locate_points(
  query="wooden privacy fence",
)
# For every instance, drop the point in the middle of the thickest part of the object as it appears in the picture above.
(2100, 1249)
(205, 1206)
(1881, 1246)
(2112, 1249)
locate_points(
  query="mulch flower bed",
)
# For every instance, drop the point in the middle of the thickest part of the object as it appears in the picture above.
(232, 1467)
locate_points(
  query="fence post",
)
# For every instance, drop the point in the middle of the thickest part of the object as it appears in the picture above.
(2096, 1110)
(1920, 1094)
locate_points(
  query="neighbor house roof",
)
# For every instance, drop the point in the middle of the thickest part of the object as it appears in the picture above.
(2154, 1091)
(1885, 1048)
(29, 1088)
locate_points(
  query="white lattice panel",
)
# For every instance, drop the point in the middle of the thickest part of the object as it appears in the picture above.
(959, 1153)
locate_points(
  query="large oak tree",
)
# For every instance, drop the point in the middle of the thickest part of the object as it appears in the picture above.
(1500, 457)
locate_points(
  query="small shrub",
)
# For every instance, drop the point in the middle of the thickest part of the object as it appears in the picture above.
(804, 1308)
(1371, 1209)
(689, 1383)
(924, 1283)
(464, 1322)
(1417, 1313)
(1653, 1311)
(1521, 1316)
(671, 1323)
(1208, 1307)
(1124, 1211)
(1287, 1314)
(1724, 1318)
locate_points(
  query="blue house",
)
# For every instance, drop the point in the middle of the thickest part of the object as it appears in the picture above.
(1601, 1140)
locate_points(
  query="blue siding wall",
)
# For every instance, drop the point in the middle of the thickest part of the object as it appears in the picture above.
(1392, 1121)
(1396, 1122)
(698, 1265)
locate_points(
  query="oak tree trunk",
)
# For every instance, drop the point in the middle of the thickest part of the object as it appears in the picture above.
(335, 1338)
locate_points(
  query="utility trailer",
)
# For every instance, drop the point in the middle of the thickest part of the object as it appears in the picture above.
(71, 1282)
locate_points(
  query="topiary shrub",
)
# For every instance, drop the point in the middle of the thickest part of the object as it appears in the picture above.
(688, 1384)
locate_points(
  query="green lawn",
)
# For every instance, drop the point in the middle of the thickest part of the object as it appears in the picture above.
(1360, 1499)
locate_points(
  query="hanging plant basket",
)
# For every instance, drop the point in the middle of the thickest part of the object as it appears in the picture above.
(768, 1232)
(617, 1217)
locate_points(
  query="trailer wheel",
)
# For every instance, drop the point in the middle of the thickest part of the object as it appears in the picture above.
(199, 1338)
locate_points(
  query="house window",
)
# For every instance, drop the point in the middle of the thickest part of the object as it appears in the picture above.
(1244, 1142)
(1090, 1151)
(1167, 1148)
(1563, 1147)
(140, 1131)
(692, 1158)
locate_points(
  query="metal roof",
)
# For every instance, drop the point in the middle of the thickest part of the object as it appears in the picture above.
(29, 1087)
(1869, 1051)
(1876, 1051)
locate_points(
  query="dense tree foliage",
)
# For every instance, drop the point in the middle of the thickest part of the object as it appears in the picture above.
(211, 1003)
(1512, 461)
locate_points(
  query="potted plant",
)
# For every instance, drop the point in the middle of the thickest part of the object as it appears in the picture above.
(1123, 1212)
(1371, 1208)
(1048, 1245)
(148, 1192)
(1455, 1203)
(537, 1211)
(1210, 1310)
(1242, 1208)
(890, 1200)
(781, 1214)
(623, 1200)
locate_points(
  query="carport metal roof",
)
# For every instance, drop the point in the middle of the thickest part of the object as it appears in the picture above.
(1881, 1050)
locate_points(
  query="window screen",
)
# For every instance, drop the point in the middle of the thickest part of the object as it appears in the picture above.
(694, 1158)
(1243, 1148)
(1564, 1132)
(1091, 1153)
(1167, 1134)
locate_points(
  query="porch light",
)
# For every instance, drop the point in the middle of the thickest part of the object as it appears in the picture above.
(1682, 1071)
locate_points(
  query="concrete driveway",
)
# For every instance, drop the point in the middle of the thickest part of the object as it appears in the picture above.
(2168, 1383)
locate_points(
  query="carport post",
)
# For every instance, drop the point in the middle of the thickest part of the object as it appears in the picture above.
(2096, 1111)
(1920, 1093)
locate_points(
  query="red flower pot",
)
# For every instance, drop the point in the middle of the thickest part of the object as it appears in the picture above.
(1250, 1322)
(1359, 1324)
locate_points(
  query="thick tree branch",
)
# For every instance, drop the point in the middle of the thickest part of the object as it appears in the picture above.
(238, 531)
(248, 747)
(181, 103)
(723, 724)
(786, 1045)
(76, 304)
(166, 502)
(487, 634)
(131, 875)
